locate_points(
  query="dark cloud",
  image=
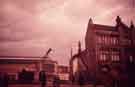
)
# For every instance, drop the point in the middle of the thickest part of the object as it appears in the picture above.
(30, 27)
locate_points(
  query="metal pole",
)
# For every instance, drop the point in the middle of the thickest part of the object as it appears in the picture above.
(132, 5)
(133, 9)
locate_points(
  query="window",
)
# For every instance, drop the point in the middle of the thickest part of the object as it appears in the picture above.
(107, 40)
(114, 40)
(103, 39)
(99, 39)
(115, 57)
(131, 59)
(49, 67)
(103, 57)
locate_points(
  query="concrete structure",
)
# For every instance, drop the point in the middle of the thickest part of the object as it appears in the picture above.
(12, 66)
(108, 48)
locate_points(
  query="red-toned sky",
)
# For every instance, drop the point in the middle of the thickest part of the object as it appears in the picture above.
(30, 27)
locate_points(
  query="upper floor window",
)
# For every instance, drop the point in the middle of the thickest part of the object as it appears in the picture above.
(103, 57)
(115, 58)
(107, 40)
(99, 39)
(114, 40)
(126, 41)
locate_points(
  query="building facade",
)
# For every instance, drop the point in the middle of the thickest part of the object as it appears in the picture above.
(108, 48)
(12, 66)
(63, 72)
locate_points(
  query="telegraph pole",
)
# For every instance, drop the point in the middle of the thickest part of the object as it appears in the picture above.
(133, 8)
(132, 5)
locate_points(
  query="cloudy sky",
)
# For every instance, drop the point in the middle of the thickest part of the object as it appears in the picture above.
(30, 27)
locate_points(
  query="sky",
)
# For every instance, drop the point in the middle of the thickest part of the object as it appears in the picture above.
(31, 27)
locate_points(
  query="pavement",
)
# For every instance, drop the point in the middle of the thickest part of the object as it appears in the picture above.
(37, 85)
(49, 84)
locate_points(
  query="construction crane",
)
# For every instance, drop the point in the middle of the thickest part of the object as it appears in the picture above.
(47, 53)
(43, 59)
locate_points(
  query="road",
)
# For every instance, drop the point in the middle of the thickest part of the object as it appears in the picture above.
(49, 84)
(37, 85)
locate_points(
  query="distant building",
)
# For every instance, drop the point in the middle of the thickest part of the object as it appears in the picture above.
(108, 48)
(13, 66)
(63, 72)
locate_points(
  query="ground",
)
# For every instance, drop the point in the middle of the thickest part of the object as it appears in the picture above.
(37, 85)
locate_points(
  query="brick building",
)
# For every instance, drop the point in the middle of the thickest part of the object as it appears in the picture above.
(107, 50)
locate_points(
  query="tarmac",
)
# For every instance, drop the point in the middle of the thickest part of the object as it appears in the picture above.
(37, 85)
(62, 85)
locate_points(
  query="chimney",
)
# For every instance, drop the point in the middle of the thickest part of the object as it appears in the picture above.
(118, 21)
(132, 25)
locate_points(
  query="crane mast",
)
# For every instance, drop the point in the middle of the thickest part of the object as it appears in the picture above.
(43, 59)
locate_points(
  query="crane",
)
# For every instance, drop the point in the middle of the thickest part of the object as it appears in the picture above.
(47, 53)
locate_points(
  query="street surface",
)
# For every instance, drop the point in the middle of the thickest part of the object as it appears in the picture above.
(49, 84)
(37, 85)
